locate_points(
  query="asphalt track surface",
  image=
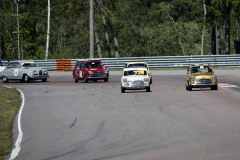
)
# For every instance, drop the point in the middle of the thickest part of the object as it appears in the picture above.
(63, 120)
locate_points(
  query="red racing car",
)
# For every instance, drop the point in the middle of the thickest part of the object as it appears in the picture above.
(90, 70)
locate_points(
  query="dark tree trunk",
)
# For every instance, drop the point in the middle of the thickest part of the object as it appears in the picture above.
(218, 47)
(227, 29)
(1, 31)
(213, 41)
(106, 35)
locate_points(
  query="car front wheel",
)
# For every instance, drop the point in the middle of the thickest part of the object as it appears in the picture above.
(44, 80)
(214, 88)
(188, 87)
(75, 79)
(122, 90)
(148, 89)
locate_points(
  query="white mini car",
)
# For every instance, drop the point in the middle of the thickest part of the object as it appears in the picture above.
(135, 79)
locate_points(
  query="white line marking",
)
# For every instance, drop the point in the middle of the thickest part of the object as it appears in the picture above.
(17, 146)
(225, 85)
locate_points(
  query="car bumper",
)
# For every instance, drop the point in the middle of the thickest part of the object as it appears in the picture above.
(39, 77)
(203, 85)
(97, 77)
(132, 86)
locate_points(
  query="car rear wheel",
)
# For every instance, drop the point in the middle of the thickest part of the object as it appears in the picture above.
(151, 81)
(5, 79)
(26, 78)
(106, 80)
(85, 79)
(95, 80)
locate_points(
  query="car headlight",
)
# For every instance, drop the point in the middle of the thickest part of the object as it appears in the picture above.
(35, 72)
(146, 79)
(192, 78)
(214, 77)
(125, 80)
(90, 72)
(106, 71)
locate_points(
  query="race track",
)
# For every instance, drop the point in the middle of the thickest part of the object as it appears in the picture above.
(63, 120)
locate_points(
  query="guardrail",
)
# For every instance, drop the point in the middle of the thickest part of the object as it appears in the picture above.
(153, 62)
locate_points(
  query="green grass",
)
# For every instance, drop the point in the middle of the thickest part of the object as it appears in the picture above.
(9, 105)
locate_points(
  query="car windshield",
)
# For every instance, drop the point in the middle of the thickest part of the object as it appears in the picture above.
(135, 72)
(4, 63)
(29, 65)
(93, 65)
(201, 69)
(137, 66)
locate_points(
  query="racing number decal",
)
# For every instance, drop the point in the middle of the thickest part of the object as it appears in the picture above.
(80, 74)
(16, 72)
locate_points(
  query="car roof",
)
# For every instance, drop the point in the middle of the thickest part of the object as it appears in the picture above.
(137, 63)
(197, 65)
(134, 69)
(23, 61)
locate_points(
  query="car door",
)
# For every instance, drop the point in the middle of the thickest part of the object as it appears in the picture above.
(80, 70)
(15, 71)
(9, 72)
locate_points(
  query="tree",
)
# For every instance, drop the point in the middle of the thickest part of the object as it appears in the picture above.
(91, 26)
(1, 30)
(48, 29)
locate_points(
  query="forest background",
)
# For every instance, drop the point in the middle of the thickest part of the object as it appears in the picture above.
(122, 28)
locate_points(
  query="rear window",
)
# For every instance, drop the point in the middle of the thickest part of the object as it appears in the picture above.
(137, 66)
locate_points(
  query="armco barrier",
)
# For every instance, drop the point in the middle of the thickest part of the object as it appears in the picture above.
(154, 62)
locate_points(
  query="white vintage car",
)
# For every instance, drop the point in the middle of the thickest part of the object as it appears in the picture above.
(135, 79)
(24, 71)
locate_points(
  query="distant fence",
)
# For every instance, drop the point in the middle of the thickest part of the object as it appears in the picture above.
(153, 62)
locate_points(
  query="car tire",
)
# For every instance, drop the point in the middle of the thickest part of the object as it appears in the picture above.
(122, 90)
(188, 87)
(5, 79)
(148, 89)
(85, 79)
(95, 80)
(214, 88)
(106, 80)
(44, 80)
(26, 78)
(75, 79)
(151, 81)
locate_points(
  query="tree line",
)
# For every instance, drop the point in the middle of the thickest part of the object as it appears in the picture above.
(56, 29)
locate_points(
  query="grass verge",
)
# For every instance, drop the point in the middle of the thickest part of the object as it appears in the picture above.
(9, 106)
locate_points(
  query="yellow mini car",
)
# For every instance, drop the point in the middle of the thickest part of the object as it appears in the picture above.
(201, 76)
(140, 65)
